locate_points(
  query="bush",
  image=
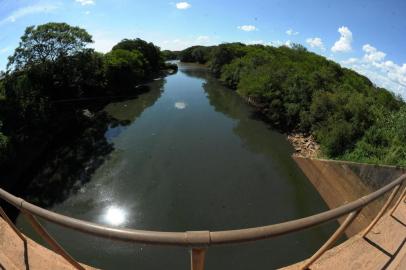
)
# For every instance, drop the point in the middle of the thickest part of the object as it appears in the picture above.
(124, 69)
(301, 91)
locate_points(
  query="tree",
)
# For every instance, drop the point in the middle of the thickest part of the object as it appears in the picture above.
(48, 42)
(124, 68)
(152, 54)
(3, 144)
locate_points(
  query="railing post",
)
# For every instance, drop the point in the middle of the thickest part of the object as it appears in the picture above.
(11, 224)
(197, 258)
(398, 201)
(347, 222)
(50, 240)
(382, 211)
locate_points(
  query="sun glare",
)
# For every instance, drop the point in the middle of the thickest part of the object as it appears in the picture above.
(115, 216)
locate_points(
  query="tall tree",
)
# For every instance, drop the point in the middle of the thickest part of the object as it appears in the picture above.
(48, 42)
(151, 53)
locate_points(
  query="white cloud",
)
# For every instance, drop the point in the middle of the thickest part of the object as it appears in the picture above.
(290, 32)
(86, 2)
(372, 54)
(247, 28)
(104, 40)
(183, 5)
(28, 10)
(385, 74)
(350, 61)
(315, 42)
(288, 43)
(254, 42)
(344, 43)
(276, 43)
(180, 44)
(5, 50)
(203, 39)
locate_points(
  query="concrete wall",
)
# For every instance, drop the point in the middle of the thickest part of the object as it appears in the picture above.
(340, 182)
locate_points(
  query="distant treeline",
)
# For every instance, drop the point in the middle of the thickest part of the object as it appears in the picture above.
(300, 91)
(51, 69)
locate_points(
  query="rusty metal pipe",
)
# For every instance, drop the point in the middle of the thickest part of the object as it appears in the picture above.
(337, 234)
(398, 201)
(51, 241)
(11, 224)
(382, 211)
(197, 258)
(193, 239)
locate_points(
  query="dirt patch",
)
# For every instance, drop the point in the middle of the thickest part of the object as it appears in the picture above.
(304, 145)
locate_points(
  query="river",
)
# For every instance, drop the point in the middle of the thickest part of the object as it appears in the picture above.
(189, 154)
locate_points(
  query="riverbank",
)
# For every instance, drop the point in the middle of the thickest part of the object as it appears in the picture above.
(304, 145)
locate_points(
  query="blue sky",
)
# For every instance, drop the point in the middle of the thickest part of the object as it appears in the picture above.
(367, 36)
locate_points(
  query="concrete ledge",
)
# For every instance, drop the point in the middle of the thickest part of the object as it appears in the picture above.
(14, 254)
(383, 248)
(340, 182)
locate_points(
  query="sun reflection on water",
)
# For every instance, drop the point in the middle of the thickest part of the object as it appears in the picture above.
(180, 105)
(115, 215)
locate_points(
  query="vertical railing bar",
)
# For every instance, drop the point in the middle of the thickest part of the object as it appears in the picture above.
(337, 234)
(50, 240)
(382, 211)
(11, 224)
(197, 258)
(398, 201)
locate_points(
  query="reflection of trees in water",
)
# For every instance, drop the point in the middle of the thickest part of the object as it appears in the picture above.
(259, 137)
(130, 110)
(255, 133)
(69, 164)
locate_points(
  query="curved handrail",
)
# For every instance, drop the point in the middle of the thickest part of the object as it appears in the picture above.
(199, 238)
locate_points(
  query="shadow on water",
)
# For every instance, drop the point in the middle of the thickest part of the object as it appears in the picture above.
(168, 171)
(257, 135)
(67, 164)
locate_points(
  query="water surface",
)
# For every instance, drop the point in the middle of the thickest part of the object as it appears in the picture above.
(190, 155)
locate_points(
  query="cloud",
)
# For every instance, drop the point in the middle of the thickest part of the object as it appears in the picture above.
(372, 54)
(28, 10)
(203, 39)
(180, 44)
(288, 43)
(247, 28)
(86, 2)
(183, 5)
(5, 50)
(350, 61)
(276, 43)
(290, 32)
(315, 42)
(344, 43)
(383, 73)
(255, 42)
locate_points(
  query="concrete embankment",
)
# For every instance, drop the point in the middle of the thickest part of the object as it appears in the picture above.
(340, 182)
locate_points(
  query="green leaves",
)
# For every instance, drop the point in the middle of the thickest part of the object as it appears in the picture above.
(48, 42)
(3, 144)
(153, 60)
(124, 68)
(300, 91)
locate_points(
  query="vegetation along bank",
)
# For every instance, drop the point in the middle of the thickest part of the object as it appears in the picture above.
(301, 92)
(54, 87)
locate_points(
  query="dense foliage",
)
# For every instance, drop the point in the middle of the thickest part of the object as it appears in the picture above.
(53, 77)
(300, 91)
(48, 42)
(170, 55)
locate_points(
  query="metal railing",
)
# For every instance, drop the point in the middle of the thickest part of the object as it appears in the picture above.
(199, 241)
